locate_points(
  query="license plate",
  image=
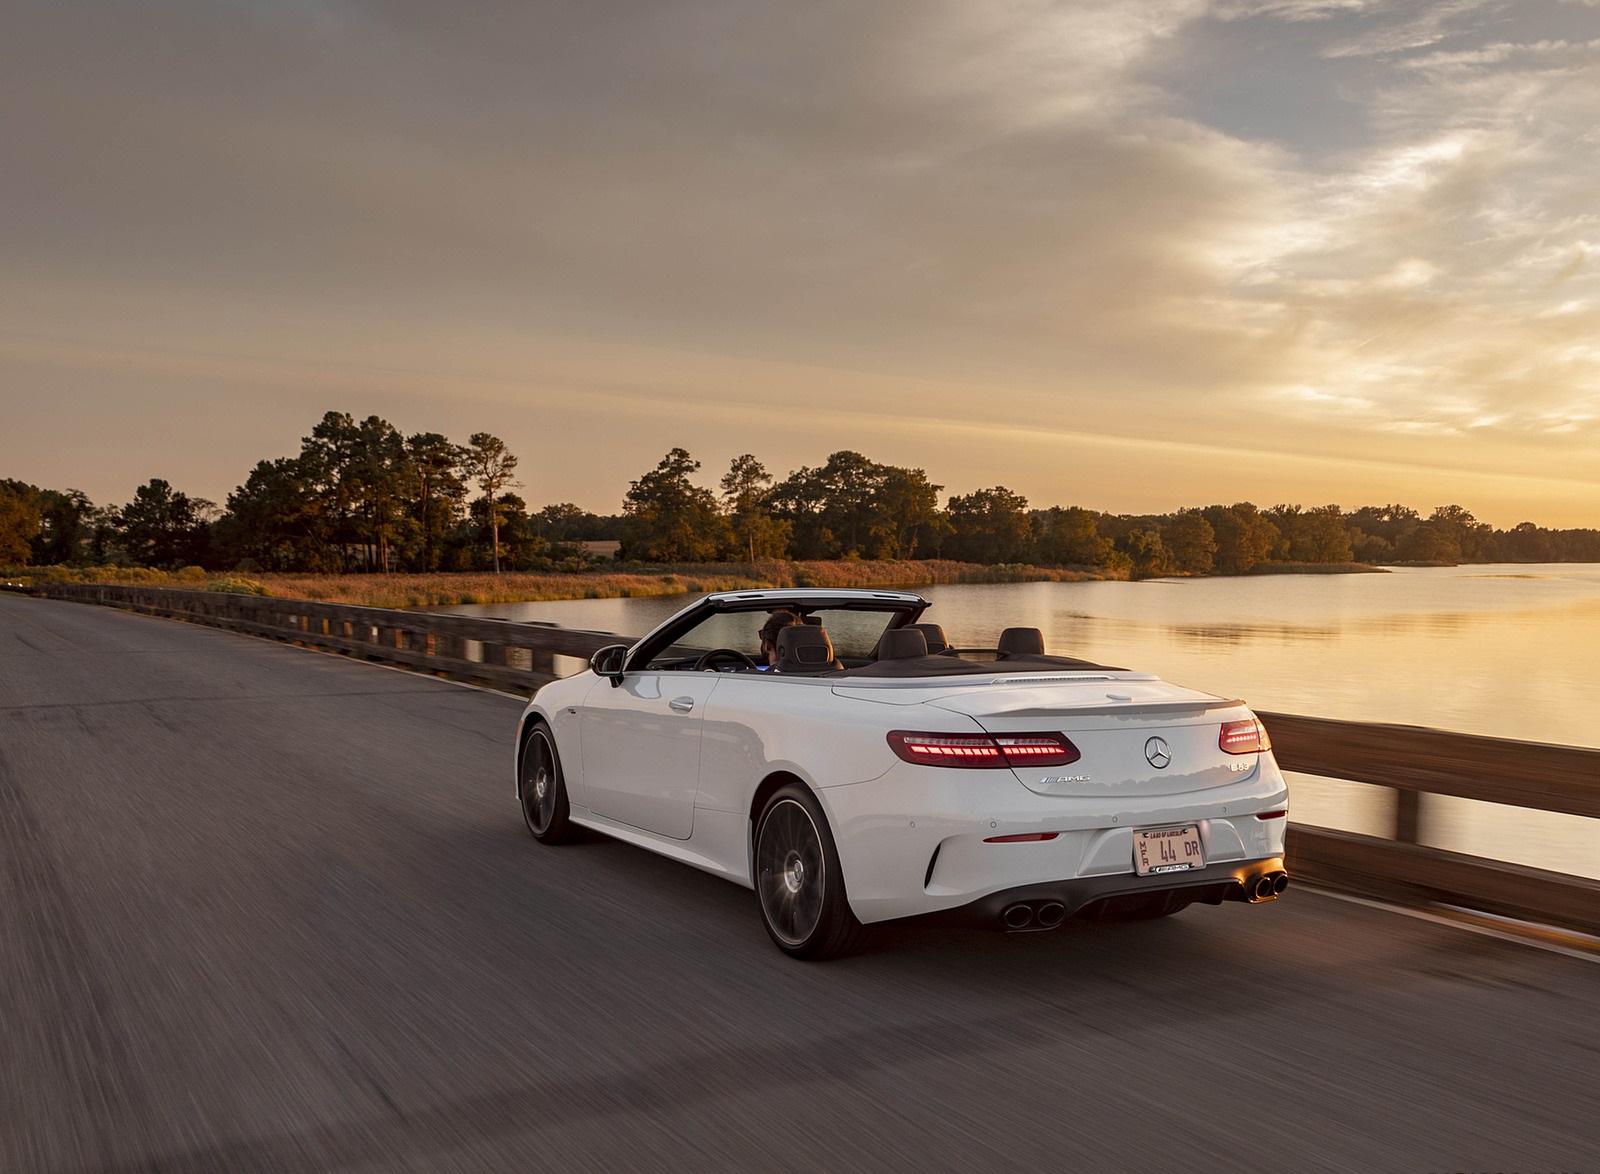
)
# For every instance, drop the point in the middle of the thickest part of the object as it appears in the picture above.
(1168, 850)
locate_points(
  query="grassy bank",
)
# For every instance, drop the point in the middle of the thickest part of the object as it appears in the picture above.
(619, 581)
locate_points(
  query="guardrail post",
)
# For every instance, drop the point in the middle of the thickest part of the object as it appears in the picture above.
(1407, 816)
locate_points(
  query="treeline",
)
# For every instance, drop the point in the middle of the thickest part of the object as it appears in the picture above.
(853, 507)
(360, 496)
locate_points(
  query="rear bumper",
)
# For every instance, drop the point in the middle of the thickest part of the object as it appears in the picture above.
(923, 840)
(1086, 895)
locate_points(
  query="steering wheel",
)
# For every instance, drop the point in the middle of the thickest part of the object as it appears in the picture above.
(708, 659)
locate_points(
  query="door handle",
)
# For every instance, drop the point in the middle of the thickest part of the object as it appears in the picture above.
(681, 704)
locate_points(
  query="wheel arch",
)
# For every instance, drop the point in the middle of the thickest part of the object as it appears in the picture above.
(767, 788)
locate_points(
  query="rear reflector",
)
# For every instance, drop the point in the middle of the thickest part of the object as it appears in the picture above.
(1024, 838)
(1271, 814)
(981, 750)
(1243, 737)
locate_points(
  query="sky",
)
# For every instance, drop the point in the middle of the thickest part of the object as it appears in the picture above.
(1133, 256)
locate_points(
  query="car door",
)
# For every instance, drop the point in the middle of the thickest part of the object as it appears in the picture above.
(641, 748)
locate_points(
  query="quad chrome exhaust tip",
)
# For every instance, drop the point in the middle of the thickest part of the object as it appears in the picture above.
(1018, 916)
(1044, 915)
(1269, 886)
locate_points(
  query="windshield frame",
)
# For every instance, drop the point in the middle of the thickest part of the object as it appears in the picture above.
(900, 608)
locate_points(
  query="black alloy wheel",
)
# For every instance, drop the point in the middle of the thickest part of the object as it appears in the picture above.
(798, 879)
(543, 791)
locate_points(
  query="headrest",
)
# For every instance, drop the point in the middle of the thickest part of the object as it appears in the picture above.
(804, 648)
(934, 635)
(1022, 641)
(899, 643)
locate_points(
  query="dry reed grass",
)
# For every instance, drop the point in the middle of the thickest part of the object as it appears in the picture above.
(422, 591)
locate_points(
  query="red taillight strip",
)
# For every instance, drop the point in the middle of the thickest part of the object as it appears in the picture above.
(1022, 838)
(1036, 748)
(1243, 737)
(981, 750)
(971, 750)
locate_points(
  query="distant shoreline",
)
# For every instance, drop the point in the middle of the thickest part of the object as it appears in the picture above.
(623, 581)
(1319, 569)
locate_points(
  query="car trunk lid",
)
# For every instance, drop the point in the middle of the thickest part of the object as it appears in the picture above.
(1134, 737)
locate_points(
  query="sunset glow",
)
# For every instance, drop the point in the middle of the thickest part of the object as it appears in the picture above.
(1129, 256)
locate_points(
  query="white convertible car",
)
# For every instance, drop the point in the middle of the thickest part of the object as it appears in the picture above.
(854, 769)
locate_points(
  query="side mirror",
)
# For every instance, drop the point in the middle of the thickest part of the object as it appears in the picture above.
(608, 662)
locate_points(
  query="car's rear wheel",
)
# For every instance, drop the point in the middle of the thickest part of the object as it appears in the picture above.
(543, 790)
(798, 879)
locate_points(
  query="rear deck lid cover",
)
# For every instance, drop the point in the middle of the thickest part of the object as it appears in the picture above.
(1135, 737)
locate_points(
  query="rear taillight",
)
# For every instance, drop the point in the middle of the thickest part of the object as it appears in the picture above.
(979, 751)
(1243, 737)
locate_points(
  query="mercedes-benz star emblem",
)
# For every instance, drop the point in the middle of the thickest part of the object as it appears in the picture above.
(1158, 753)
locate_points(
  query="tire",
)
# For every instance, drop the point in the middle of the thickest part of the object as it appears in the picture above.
(542, 789)
(799, 884)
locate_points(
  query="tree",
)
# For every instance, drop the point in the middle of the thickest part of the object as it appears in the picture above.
(1068, 537)
(910, 502)
(1322, 537)
(562, 522)
(990, 526)
(744, 496)
(1311, 536)
(435, 477)
(490, 464)
(64, 521)
(1475, 538)
(1527, 543)
(668, 519)
(1244, 537)
(275, 519)
(163, 527)
(1146, 552)
(799, 500)
(1378, 531)
(1190, 541)
(1450, 535)
(380, 475)
(20, 518)
(328, 459)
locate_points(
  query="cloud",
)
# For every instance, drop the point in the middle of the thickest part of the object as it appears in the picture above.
(1027, 214)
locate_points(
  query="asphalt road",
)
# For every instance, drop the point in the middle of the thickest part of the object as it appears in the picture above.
(267, 909)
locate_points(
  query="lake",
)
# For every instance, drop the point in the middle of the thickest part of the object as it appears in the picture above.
(1506, 650)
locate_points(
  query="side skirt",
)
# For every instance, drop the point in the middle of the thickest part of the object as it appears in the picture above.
(690, 851)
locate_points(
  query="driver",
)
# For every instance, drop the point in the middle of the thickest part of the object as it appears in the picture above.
(776, 621)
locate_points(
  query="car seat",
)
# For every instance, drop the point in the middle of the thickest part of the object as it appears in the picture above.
(901, 643)
(805, 648)
(1022, 642)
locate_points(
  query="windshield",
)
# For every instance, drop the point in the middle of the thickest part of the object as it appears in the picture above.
(854, 634)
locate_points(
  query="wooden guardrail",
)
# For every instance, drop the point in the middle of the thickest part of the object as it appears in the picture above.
(515, 657)
(1411, 760)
